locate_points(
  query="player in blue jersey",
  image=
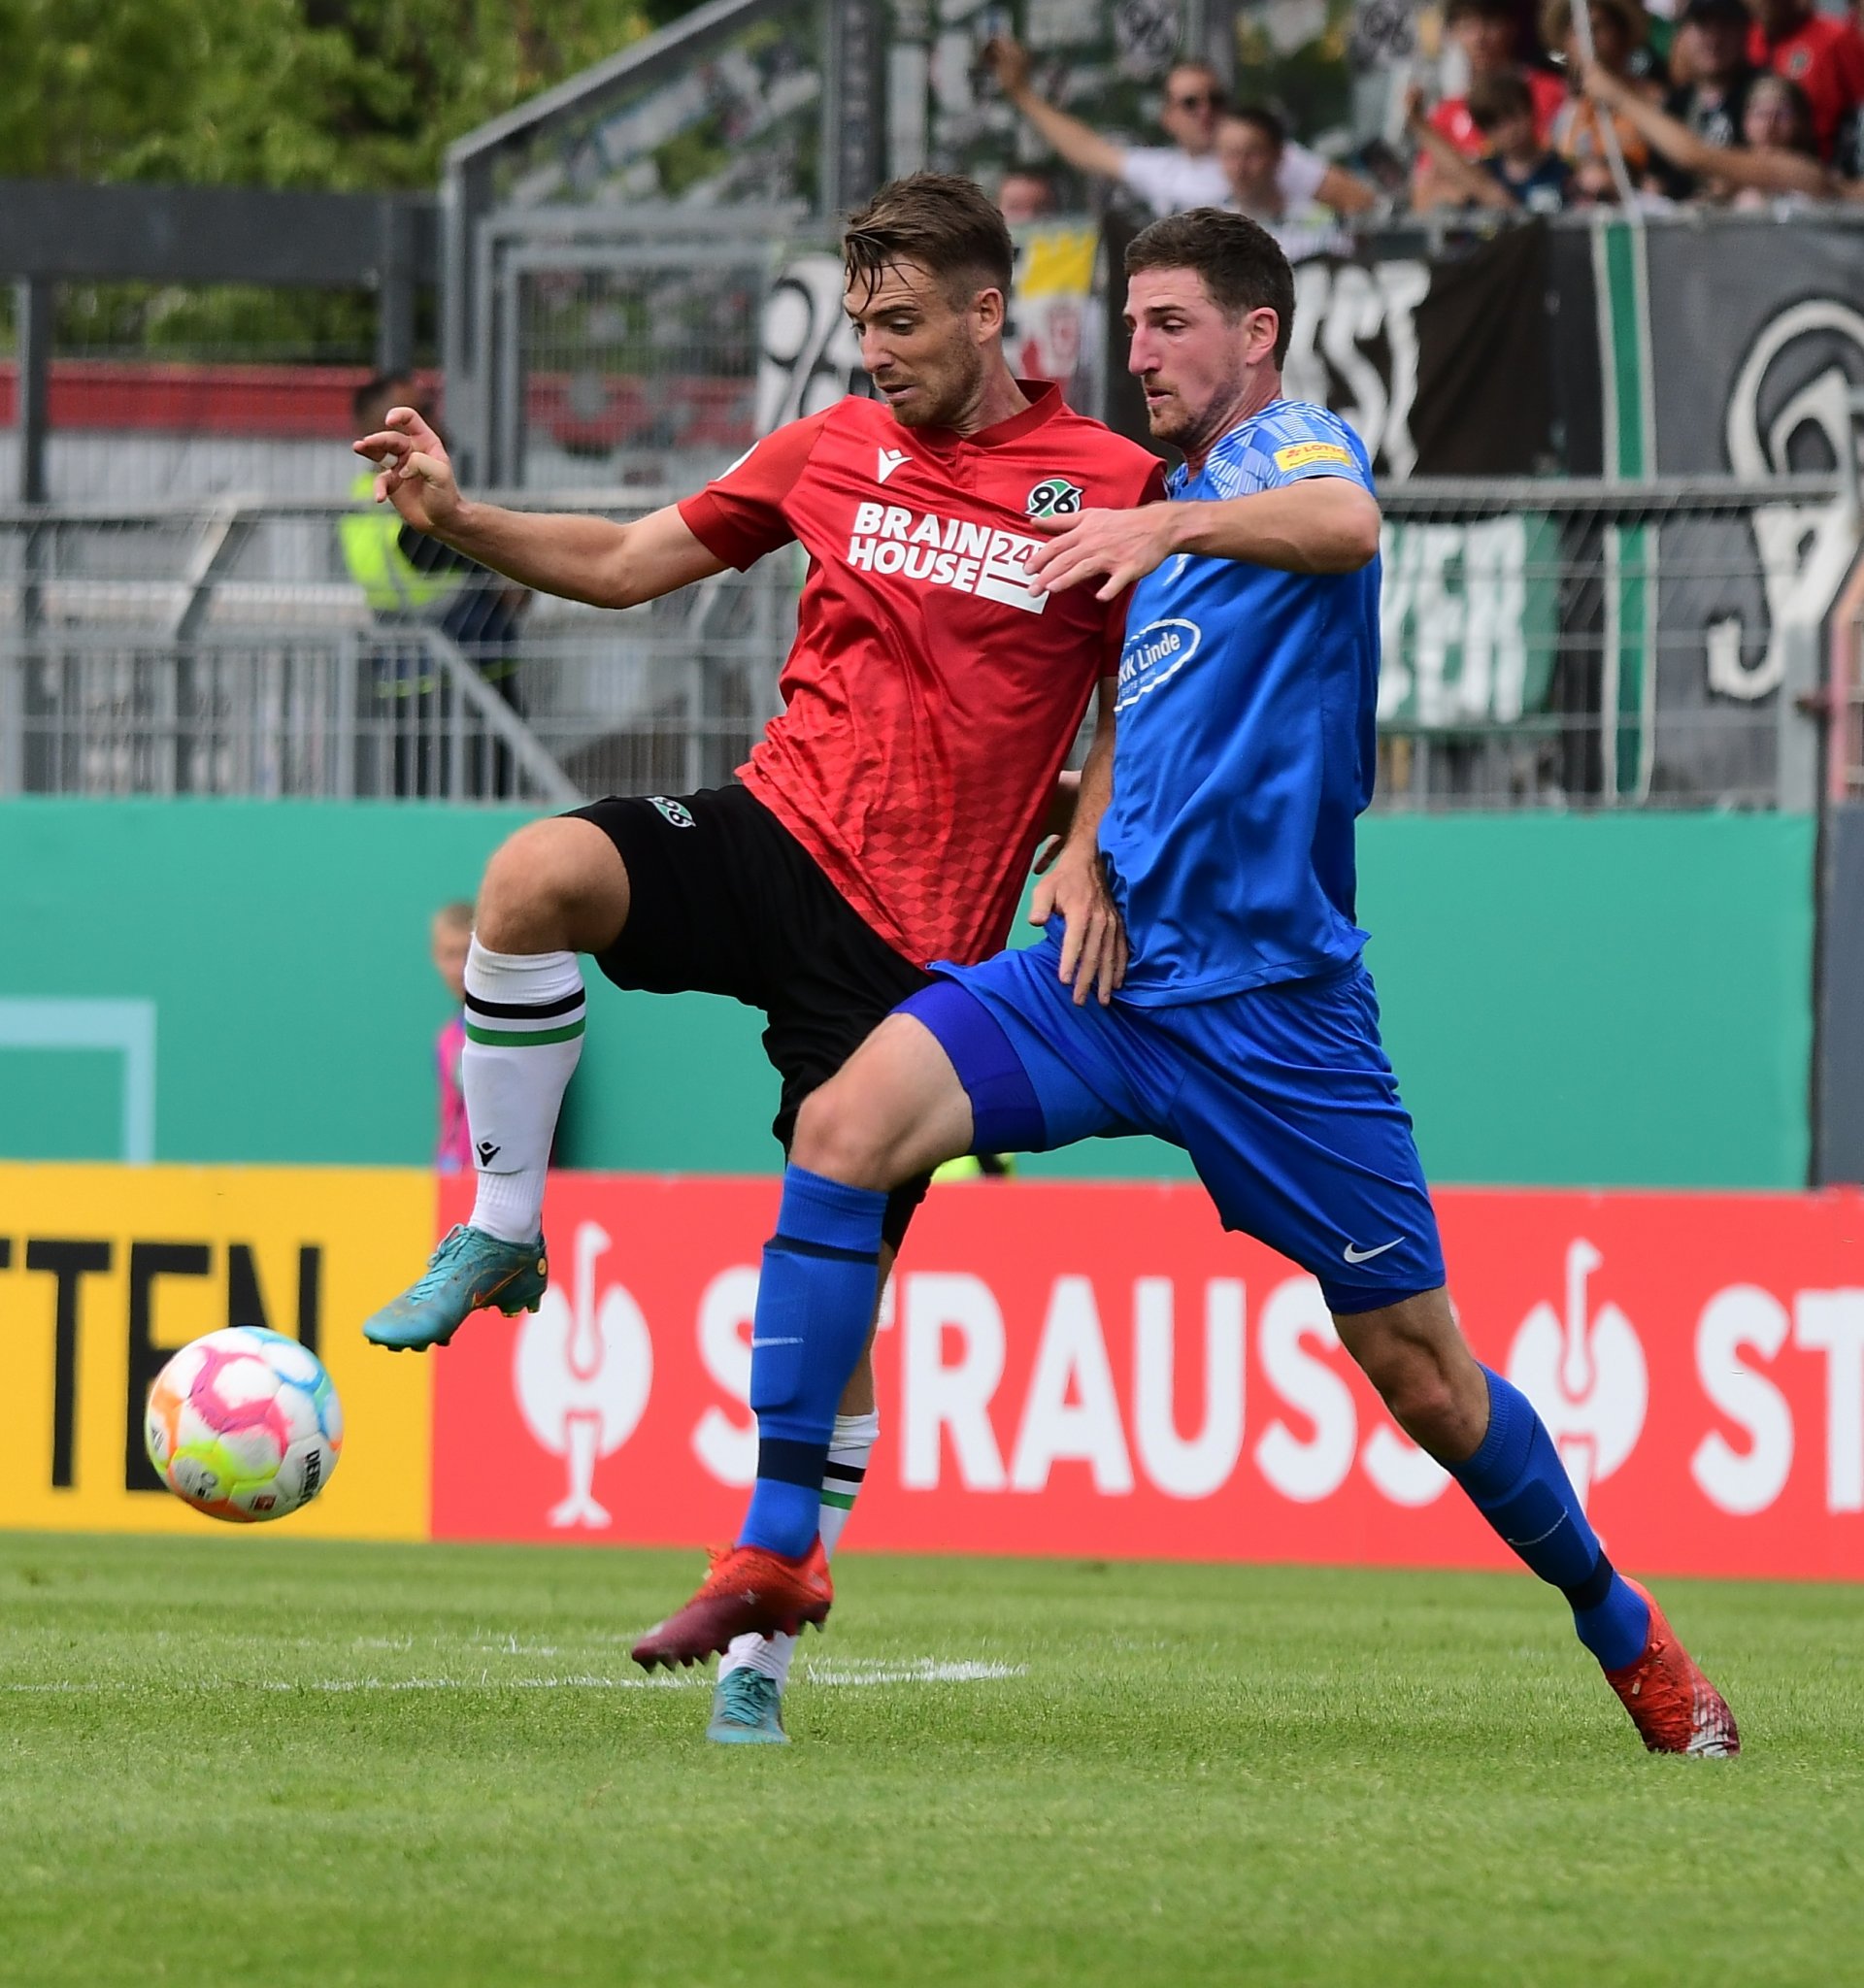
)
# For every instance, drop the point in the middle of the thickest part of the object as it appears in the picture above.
(1245, 1028)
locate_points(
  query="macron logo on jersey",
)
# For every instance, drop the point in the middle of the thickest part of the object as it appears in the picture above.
(890, 460)
(946, 551)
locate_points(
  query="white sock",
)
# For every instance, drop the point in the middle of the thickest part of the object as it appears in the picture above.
(524, 1034)
(848, 1447)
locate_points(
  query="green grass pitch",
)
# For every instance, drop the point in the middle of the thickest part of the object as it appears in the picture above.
(230, 1759)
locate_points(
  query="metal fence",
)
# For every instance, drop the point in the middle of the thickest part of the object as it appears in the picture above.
(226, 651)
(1593, 644)
(336, 718)
(1548, 644)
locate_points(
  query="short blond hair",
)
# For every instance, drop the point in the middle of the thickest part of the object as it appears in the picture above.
(454, 916)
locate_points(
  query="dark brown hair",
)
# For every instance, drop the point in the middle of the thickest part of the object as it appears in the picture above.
(945, 224)
(1263, 120)
(1242, 264)
(1493, 99)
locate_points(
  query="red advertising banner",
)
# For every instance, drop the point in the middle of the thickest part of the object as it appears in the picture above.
(1098, 1370)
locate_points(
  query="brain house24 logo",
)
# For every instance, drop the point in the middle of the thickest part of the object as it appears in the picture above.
(946, 551)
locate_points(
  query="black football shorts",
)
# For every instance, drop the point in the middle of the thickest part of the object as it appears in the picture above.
(724, 899)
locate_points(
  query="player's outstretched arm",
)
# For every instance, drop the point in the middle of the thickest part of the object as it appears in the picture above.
(1324, 525)
(581, 558)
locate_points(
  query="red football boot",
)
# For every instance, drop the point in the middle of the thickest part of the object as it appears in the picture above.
(749, 1590)
(1674, 1706)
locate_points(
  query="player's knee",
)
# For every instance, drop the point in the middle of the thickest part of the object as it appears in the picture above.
(1425, 1407)
(842, 1138)
(555, 885)
(1415, 1383)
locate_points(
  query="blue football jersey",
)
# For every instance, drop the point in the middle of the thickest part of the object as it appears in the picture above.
(1246, 744)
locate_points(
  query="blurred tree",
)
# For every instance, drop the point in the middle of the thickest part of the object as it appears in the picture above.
(350, 94)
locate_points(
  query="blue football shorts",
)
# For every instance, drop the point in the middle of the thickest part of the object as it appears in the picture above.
(1283, 1097)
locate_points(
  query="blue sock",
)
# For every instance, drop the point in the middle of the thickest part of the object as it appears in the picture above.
(1519, 1485)
(815, 1303)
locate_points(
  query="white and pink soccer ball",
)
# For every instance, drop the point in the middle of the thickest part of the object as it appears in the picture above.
(244, 1425)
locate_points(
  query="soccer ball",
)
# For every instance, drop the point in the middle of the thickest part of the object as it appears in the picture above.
(244, 1425)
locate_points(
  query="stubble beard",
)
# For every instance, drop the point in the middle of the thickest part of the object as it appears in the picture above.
(948, 408)
(1196, 431)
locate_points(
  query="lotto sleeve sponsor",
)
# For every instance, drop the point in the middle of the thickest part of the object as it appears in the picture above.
(1302, 455)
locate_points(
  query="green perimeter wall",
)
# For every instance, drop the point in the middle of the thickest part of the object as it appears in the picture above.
(1614, 999)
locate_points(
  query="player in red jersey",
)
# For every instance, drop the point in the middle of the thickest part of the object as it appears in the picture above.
(890, 813)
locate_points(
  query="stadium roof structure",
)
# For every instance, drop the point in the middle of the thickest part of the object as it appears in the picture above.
(54, 231)
(744, 114)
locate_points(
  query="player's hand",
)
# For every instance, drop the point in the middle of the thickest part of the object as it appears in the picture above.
(1093, 945)
(416, 475)
(1123, 546)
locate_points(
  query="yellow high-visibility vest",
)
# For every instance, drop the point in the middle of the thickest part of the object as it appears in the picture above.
(970, 1168)
(372, 553)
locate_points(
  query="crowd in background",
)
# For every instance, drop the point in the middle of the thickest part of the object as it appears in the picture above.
(1731, 103)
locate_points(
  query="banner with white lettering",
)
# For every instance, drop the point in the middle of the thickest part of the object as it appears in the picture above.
(1097, 1368)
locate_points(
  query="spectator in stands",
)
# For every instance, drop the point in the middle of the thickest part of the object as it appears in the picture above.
(1618, 28)
(1778, 153)
(1024, 196)
(410, 581)
(1711, 53)
(1250, 144)
(1187, 173)
(1824, 55)
(407, 575)
(1518, 173)
(450, 935)
(1487, 33)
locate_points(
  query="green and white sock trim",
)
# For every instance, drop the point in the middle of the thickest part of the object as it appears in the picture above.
(524, 1019)
(518, 1025)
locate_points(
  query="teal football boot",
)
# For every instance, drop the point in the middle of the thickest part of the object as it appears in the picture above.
(469, 1272)
(748, 1710)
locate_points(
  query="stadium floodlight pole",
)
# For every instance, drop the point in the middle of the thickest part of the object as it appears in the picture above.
(1608, 126)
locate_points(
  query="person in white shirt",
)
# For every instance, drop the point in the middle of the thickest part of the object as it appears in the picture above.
(1251, 148)
(1187, 173)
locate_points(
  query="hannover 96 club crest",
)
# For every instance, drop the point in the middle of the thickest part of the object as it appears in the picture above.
(1054, 497)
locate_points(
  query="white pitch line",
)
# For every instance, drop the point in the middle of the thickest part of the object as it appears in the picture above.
(922, 1671)
(853, 1672)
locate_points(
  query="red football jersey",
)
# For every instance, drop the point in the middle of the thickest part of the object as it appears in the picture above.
(1451, 117)
(1825, 57)
(931, 694)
